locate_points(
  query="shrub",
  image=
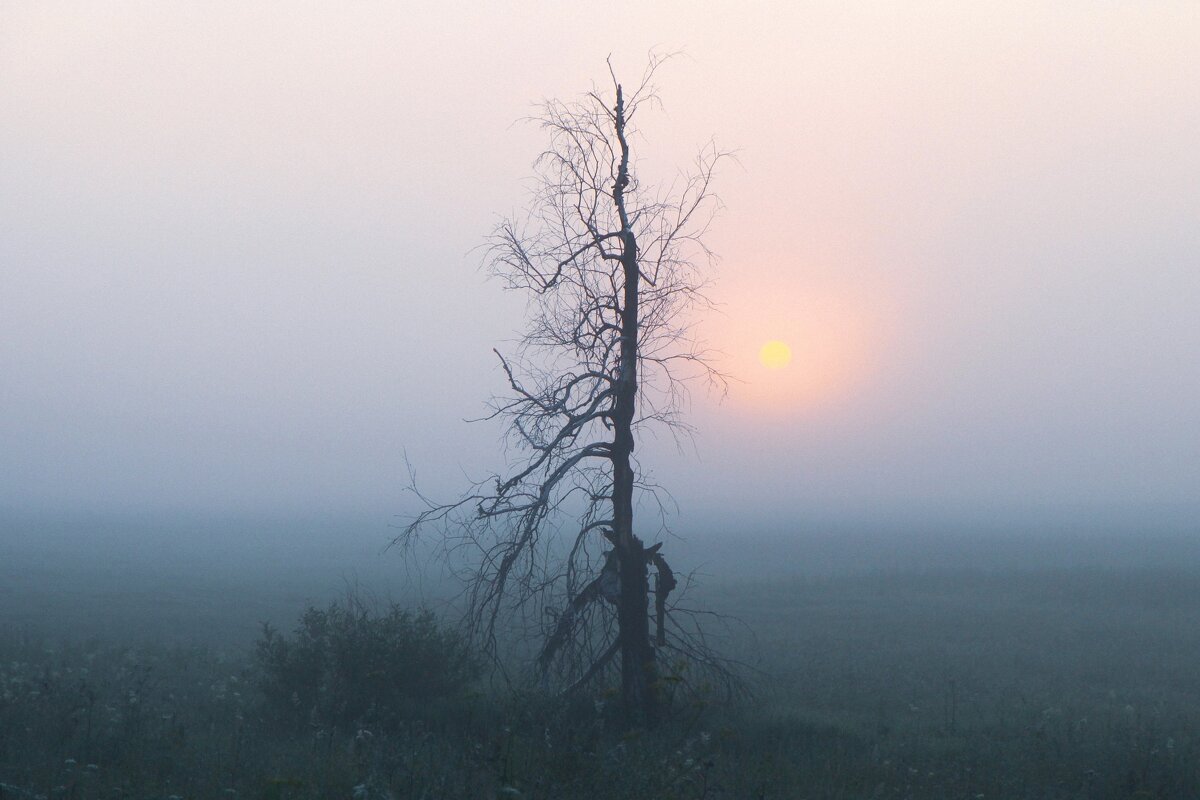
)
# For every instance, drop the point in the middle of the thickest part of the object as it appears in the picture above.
(349, 665)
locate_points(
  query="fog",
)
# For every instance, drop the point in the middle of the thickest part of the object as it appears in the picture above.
(954, 541)
(240, 267)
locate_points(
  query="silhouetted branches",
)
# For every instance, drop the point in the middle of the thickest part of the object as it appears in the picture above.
(614, 272)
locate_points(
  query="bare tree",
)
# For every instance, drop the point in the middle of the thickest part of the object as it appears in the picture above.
(612, 268)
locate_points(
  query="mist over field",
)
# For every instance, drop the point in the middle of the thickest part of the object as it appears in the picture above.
(924, 661)
(841, 436)
(136, 577)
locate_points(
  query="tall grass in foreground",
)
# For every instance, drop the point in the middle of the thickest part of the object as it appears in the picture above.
(919, 687)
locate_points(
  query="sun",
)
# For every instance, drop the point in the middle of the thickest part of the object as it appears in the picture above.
(775, 354)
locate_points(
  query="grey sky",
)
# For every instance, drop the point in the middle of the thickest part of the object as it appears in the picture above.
(236, 266)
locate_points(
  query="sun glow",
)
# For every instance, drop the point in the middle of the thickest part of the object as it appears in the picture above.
(803, 348)
(775, 354)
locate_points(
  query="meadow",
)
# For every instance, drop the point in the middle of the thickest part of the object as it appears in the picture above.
(996, 668)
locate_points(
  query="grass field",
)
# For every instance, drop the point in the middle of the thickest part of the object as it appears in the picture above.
(1056, 683)
(1027, 675)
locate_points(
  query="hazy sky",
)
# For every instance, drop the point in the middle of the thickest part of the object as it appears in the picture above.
(237, 267)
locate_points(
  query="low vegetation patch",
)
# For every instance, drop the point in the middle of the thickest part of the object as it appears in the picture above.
(351, 666)
(1038, 687)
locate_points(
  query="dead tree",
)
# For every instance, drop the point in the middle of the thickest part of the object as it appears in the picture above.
(613, 269)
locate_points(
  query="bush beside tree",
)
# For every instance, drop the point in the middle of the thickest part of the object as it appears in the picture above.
(349, 665)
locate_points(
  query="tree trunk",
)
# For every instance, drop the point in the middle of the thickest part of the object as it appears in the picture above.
(639, 672)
